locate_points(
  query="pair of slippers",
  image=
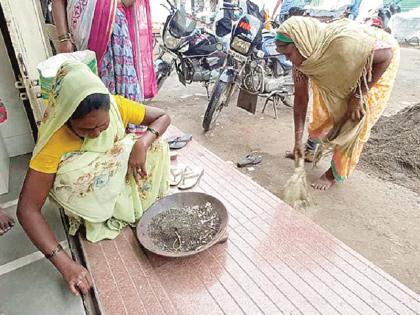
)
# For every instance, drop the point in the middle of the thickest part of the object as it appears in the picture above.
(185, 177)
(179, 142)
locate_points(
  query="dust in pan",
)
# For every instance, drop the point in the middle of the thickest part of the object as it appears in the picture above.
(185, 229)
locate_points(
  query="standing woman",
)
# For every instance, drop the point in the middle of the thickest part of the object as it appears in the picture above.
(351, 69)
(120, 33)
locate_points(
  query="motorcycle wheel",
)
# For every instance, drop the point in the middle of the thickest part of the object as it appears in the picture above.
(162, 73)
(219, 98)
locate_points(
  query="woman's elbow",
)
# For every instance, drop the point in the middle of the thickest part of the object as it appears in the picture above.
(168, 120)
(165, 120)
(21, 213)
(26, 205)
(22, 210)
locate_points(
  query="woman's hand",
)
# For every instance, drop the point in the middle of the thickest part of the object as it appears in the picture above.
(77, 277)
(137, 161)
(355, 109)
(65, 47)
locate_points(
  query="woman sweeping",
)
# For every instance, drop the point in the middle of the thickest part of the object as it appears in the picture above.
(351, 69)
(101, 177)
(120, 33)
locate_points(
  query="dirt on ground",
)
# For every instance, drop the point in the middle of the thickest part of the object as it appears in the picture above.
(370, 213)
(393, 150)
(185, 229)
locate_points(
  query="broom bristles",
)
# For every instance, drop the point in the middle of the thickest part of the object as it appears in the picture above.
(295, 192)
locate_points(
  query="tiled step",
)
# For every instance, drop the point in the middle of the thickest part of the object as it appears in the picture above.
(275, 261)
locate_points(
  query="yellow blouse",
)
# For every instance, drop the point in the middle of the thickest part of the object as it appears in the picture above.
(64, 140)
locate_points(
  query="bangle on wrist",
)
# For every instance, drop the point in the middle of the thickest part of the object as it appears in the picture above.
(359, 96)
(54, 252)
(154, 131)
(65, 37)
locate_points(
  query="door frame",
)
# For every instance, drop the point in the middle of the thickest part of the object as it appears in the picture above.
(16, 70)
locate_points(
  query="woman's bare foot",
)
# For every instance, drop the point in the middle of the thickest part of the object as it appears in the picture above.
(325, 182)
(6, 222)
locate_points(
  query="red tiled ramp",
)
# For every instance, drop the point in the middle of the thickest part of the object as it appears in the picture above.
(276, 261)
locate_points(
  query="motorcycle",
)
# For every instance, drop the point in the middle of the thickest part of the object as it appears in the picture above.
(293, 11)
(382, 16)
(195, 53)
(255, 72)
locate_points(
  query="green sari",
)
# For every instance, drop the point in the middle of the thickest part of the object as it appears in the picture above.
(91, 184)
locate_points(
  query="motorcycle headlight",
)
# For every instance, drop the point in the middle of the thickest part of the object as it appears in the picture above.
(170, 41)
(240, 46)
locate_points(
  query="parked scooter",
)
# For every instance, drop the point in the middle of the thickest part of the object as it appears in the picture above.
(254, 71)
(195, 54)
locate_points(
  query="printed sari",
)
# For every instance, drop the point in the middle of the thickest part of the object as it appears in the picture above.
(108, 29)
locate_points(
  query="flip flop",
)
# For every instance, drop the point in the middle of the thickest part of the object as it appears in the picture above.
(191, 177)
(177, 173)
(178, 142)
(250, 159)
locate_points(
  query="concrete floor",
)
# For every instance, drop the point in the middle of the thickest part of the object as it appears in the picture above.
(29, 284)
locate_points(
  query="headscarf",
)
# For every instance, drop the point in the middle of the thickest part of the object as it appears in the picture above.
(337, 56)
(73, 83)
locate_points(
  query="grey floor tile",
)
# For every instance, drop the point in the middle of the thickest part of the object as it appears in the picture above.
(15, 244)
(18, 168)
(37, 289)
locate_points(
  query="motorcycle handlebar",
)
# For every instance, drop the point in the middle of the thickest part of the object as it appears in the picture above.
(165, 7)
(272, 22)
(233, 8)
(171, 5)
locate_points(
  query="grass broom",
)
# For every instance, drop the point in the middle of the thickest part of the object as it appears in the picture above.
(296, 191)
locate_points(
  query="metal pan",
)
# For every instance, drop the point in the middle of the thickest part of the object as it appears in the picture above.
(181, 200)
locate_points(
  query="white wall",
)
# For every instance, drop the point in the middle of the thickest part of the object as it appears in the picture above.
(4, 167)
(16, 131)
(159, 13)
